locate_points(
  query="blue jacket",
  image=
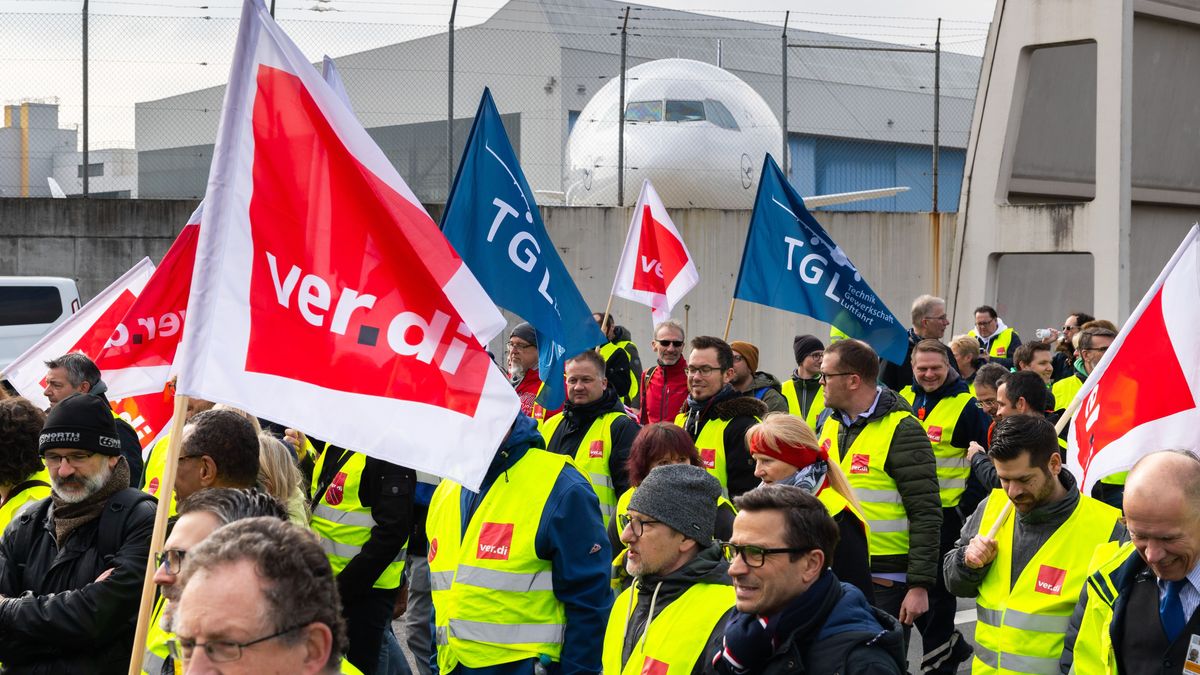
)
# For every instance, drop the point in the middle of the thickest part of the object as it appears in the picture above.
(571, 536)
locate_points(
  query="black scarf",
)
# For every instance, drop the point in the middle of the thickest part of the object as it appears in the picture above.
(698, 410)
(751, 640)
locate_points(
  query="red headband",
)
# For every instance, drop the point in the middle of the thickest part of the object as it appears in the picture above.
(798, 456)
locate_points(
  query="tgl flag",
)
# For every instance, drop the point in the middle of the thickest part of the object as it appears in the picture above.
(323, 296)
(656, 268)
(791, 263)
(494, 224)
(1143, 394)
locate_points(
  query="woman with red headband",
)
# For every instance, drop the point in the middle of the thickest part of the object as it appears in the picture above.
(785, 452)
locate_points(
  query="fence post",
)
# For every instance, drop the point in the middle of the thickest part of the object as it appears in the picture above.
(783, 157)
(621, 115)
(450, 105)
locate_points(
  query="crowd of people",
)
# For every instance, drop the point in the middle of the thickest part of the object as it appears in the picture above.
(700, 516)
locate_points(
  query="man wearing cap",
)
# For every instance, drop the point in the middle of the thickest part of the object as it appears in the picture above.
(71, 565)
(522, 365)
(748, 379)
(681, 588)
(803, 391)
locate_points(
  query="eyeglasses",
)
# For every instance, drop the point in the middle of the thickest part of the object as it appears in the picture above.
(823, 377)
(670, 343)
(936, 318)
(703, 371)
(755, 556)
(1095, 349)
(76, 459)
(1067, 329)
(220, 651)
(987, 404)
(637, 527)
(172, 558)
(514, 346)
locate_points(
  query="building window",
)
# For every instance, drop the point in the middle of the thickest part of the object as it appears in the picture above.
(94, 169)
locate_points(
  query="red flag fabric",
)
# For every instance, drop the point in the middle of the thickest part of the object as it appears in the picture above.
(656, 268)
(1143, 394)
(324, 297)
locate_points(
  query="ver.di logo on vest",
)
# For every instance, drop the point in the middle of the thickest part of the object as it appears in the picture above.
(1050, 580)
(337, 489)
(934, 434)
(495, 541)
(596, 450)
(860, 463)
(708, 457)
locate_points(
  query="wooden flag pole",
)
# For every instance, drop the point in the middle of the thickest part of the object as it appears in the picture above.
(1000, 520)
(729, 321)
(166, 492)
(607, 313)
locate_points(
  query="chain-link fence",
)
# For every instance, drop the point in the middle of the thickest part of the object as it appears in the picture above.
(703, 96)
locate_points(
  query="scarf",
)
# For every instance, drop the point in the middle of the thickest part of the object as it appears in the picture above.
(752, 640)
(69, 517)
(809, 478)
(698, 410)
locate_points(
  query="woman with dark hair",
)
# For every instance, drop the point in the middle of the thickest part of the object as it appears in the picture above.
(23, 476)
(656, 445)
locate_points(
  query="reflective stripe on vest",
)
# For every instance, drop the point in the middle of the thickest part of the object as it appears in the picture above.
(33, 493)
(1021, 627)
(493, 596)
(952, 467)
(156, 465)
(998, 346)
(607, 350)
(157, 652)
(835, 503)
(711, 446)
(344, 523)
(794, 405)
(592, 458)
(863, 463)
(1094, 652)
(674, 640)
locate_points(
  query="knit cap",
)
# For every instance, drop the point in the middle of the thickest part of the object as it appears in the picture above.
(82, 422)
(682, 496)
(803, 345)
(748, 352)
(525, 332)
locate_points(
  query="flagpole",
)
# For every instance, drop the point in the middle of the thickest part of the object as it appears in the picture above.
(166, 492)
(604, 319)
(1008, 507)
(729, 321)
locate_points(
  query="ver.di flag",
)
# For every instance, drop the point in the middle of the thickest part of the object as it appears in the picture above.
(790, 263)
(492, 221)
(1143, 394)
(656, 268)
(323, 296)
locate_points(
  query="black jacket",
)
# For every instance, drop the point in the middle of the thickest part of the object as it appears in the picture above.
(577, 419)
(896, 376)
(388, 489)
(847, 637)
(743, 412)
(623, 368)
(55, 618)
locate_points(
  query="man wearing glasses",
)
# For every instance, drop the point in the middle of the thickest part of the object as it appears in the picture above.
(258, 596)
(929, 322)
(71, 565)
(664, 386)
(522, 364)
(995, 337)
(1093, 343)
(792, 614)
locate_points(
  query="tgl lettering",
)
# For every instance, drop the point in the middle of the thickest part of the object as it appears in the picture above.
(313, 296)
(525, 257)
(810, 271)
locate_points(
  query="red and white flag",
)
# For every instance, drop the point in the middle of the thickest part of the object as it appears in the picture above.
(139, 354)
(324, 297)
(656, 268)
(1143, 394)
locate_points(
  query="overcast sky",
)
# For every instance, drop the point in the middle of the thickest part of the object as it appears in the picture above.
(147, 49)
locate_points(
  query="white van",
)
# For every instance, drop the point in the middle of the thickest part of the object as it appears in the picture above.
(29, 308)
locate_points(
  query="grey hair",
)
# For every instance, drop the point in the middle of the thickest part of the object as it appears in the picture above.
(923, 306)
(672, 324)
(79, 368)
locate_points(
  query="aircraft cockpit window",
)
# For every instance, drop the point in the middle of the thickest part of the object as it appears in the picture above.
(685, 111)
(719, 115)
(644, 111)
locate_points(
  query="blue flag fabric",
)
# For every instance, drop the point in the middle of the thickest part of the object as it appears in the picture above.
(492, 221)
(791, 263)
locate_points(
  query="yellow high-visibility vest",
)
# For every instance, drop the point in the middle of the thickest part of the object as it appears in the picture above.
(157, 651)
(1022, 626)
(999, 345)
(607, 350)
(953, 469)
(711, 446)
(794, 407)
(1094, 652)
(674, 640)
(155, 467)
(592, 458)
(13, 505)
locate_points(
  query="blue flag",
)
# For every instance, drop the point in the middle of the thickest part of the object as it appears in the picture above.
(791, 263)
(494, 224)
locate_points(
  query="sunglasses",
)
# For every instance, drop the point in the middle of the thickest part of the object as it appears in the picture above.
(670, 343)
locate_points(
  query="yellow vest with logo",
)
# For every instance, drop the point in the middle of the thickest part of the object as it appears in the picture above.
(1094, 652)
(953, 469)
(493, 597)
(793, 400)
(155, 467)
(592, 458)
(835, 503)
(711, 446)
(33, 493)
(1021, 627)
(999, 345)
(607, 350)
(157, 651)
(343, 522)
(674, 640)
(863, 463)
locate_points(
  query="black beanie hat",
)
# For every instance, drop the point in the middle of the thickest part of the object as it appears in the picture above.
(525, 332)
(803, 345)
(82, 422)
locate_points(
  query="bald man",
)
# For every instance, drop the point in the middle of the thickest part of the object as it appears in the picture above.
(1137, 613)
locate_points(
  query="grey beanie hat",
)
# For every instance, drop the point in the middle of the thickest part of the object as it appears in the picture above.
(682, 496)
(525, 332)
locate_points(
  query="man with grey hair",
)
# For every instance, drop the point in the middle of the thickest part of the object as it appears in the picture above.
(664, 385)
(929, 322)
(258, 596)
(75, 373)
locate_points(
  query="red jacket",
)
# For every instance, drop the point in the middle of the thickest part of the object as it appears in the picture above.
(664, 391)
